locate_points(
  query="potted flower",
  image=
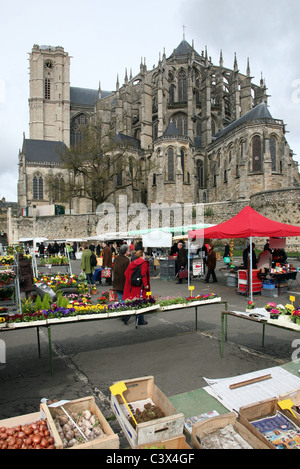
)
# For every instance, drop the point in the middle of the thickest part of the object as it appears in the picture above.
(296, 316)
(274, 313)
(250, 306)
(289, 309)
(270, 306)
(93, 290)
(102, 300)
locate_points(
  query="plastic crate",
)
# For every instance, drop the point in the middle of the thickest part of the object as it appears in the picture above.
(269, 293)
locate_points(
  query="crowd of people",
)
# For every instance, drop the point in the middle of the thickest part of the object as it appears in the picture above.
(119, 273)
(266, 259)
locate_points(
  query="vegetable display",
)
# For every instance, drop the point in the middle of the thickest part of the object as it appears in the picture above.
(35, 435)
(88, 424)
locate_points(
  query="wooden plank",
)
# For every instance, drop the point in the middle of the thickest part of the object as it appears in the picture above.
(250, 381)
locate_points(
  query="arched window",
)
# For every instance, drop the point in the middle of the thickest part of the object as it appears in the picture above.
(200, 173)
(180, 121)
(76, 124)
(273, 152)
(182, 87)
(172, 94)
(37, 187)
(183, 158)
(58, 187)
(256, 154)
(119, 173)
(197, 87)
(171, 165)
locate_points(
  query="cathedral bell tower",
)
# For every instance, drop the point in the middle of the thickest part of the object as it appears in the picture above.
(49, 100)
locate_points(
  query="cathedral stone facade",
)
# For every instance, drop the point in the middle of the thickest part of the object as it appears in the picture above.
(204, 132)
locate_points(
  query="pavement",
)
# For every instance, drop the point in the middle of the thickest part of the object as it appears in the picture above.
(89, 357)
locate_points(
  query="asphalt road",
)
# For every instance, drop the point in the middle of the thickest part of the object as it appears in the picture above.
(89, 357)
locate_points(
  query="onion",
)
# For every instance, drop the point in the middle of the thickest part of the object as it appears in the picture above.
(44, 443)
(36, 439)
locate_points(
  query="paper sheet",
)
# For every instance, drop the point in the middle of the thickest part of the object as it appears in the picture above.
(281, 382)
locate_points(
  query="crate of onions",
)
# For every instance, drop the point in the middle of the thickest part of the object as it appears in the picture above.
(80, 424)
(31, 431)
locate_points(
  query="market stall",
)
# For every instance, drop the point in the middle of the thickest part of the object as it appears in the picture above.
(247, 224)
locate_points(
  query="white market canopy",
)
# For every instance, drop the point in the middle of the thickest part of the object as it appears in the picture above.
(157, 239)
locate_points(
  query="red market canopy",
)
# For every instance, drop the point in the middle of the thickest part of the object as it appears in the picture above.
(246, 224)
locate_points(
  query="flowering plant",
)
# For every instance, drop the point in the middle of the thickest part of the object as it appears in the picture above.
(102, 300)
(289, 309)
(274, 313)
(270, 306)
(296, 316)
(250, 304)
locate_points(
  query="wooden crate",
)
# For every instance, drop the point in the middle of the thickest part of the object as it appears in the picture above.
(27, 419)
(138, 391)
(110, 441)
(259, 410)
(178, 442)
(212, 425)
(295, 398)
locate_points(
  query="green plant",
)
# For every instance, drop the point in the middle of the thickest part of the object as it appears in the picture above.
(46, 303)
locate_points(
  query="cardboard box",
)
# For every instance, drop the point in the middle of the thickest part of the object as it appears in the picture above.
(178, 442)
(140, 391)
(259, 410)
(241, 436)
(110, 441)
(295, 398)
(31, 418)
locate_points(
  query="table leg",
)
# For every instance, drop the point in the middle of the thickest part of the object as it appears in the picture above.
(50, 350)
(196, 318)
(263, 335)
(38, 340)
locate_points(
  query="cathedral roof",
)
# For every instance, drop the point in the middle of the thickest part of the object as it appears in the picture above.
(86, 96)
(43, 151)
(183, 50)
(123, 139)
(171, 130)
(260, 111)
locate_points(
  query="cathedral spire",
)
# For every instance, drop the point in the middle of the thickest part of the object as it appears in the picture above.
(248, 67)
(235, 66)
(118, 83)
(221, 58)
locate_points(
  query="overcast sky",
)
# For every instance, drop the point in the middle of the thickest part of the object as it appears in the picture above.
(104, 38)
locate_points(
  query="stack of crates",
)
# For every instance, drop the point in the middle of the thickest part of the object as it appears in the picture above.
(243, 281)
(167, 269)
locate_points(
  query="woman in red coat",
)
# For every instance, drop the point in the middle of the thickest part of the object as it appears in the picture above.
(132, 291)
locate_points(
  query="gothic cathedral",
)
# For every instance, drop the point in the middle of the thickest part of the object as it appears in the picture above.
(206, 129)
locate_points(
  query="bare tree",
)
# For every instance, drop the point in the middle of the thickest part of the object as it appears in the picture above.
(98, 165)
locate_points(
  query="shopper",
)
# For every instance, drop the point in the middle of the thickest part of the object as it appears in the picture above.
(107, 261)
(265, 260)
(181, 259)
(211, 264)
(120, 265)
(86, 265)
(25, 275)
(131, 291)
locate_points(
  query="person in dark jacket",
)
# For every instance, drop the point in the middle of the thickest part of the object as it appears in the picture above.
(181, 259)
(211, 264)
(107, 260)
(120, 265)
(25, 275)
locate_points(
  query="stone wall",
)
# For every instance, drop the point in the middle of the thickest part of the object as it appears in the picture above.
(281, 205)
